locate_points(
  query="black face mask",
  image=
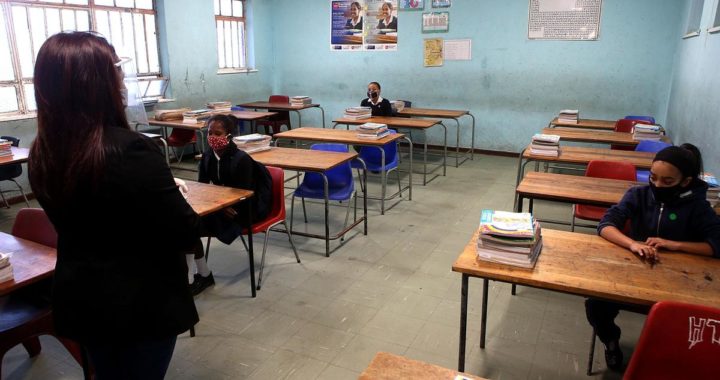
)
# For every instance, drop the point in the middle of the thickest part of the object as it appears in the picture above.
(372, 94)
(666, 194)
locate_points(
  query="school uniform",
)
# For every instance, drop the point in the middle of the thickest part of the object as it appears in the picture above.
(391, 25)
(381, 107)
(358, 25)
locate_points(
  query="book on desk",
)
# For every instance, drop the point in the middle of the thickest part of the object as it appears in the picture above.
(6, 269)
(509, 238)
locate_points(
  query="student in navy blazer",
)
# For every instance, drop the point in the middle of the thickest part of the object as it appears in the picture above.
(378, 105)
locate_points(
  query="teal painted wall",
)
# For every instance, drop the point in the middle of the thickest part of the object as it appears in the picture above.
(513, 86)
(694, 106)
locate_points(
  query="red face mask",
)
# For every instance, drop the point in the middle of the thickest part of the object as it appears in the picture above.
(218, 143)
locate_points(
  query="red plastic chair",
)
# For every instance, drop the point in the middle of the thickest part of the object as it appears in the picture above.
(678, 341)
(180, 138)
(277, 121)
(602, 169)
(24, 317)
(626, 126)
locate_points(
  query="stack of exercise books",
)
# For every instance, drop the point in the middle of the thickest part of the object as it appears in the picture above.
(372, 131)
(356, 113)
(397, 105)
(713, 191)
(545, 145)
(300, 101)
(253, 143)
(196, 116)
(219, 107)
(5, 148)
(509, 238)
(647, 132)
(173, 114)
(569, 116)
(6, 269)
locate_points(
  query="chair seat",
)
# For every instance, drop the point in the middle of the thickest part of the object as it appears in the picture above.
(594, 213)
(643, 176)
(374, 166)
(17, 311)
(334, 193)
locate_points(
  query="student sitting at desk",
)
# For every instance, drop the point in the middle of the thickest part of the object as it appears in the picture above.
(226, 165)
(378, 105)
(672, 214)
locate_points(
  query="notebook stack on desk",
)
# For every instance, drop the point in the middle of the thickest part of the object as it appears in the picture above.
(252, 143)
(713, 191)
(372, 131)
(173, 114)
(219, 107)
(196, 116)
(5, 148)
(647, 132)
(569, 116)
(6, 269)
(510, 238)
(300, 101)
(357, 113)
(545, 145)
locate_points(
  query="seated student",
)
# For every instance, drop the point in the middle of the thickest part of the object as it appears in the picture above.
(226, 165)
(672, 214)
(378, 105)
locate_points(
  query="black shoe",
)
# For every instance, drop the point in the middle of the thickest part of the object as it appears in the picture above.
(614, 356)
(201, 283)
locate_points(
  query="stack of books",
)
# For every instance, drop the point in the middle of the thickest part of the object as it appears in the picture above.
(545, 145)
(174, 114)
(647, 132)
(253, 143)
(397, 105)
(356, 113)
(196, 116)
(218, 107)
(713, 191)
(5, 148)
(372, 131)
(509, 238)
(569, 116)
(300, 100)
(6, 269)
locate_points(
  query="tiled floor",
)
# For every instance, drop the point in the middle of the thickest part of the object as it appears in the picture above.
(392, 290)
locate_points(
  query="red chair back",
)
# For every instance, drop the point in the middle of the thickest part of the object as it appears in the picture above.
(181, 137)
(33, 224)
(604, 169)
(626, 126)
(277, 210)
(678, 341)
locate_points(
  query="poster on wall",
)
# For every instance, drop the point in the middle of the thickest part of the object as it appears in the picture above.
(412, 5)
(347, 25)
(441, 3)
(564, 20)
(433, 52)
(381, 25)
(435, 22)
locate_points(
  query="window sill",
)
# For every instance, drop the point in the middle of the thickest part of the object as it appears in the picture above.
(691, 35)
(18, 117)
(236, 71)
(714, 29)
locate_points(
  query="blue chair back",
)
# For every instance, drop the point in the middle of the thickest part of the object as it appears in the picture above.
(10, 171)
(338, 177)
(651, 146)
(373, 158)
(649, 119)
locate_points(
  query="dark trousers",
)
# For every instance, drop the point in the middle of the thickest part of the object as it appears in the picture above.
(601, 315)
(145, 359)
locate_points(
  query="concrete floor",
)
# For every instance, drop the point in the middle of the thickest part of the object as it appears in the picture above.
(392, 290)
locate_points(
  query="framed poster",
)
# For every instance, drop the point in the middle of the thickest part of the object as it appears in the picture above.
(435, 22)
(433, 52)
(412, 5)
(441, 3)
(564, 20)
(346, 31)
(381, 25)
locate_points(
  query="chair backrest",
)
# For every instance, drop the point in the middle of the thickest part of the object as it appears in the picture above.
(408, 103)
(181, 137)
(338, 177)
(14, 170)
(279, 99)
(649, 119)
(651, 146)
(625, 125)
(372, 156)
(678, 341)
(278, 193)
(611, 169)
(33, 224)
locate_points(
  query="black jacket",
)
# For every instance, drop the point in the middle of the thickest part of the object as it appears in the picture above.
(688, 218)
(121, 272)
(236, 169)
(381, 109)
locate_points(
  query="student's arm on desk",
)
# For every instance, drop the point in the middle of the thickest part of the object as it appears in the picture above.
(644, 250)
(701, 248)
(705, 221)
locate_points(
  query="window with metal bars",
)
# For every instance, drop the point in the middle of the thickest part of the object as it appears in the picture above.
(25, 24)
(231, 42)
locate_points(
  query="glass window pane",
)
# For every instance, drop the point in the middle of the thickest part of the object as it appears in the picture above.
(151, 39)
(228, 43)
(225, 7)
(116, 33)
(68, 19)
(717, 15)
(37, 28)
(8, 99)
(237, 8)
(217, 7)
(695, 16)
(242, 45)
(234, 44)
(6, 69)
(220, 44)
(53, 1)
(125, 3)
(103, 23)
(79, 2)
(128, 40)
(143, 4)
(83, 20)
(104, 2)
(30, 97)
(52, 17)
(140, 48)
(22, 38)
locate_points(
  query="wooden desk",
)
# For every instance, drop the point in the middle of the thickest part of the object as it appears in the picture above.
(350, 137)
(405, 123)
(165, 124)
(386, 366)
(19, 156)
(595, 136)
(252, 117)
(318, 162)
(447, 114)
(285, 107)
(607, 125)
(31, 262)
(590, 266)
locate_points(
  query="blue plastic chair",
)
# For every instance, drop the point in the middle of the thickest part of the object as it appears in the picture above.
(649, 119)
(372, 156)
(648, 146)
(341, 186)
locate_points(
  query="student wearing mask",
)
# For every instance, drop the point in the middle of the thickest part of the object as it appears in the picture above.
(670, 214)
(378, 105)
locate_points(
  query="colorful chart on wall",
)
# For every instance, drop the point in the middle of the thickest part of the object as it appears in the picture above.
(564, 19)
(364, 25)
(412, 5)
(347, 25)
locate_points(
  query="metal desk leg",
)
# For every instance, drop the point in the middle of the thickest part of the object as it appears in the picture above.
(463, 322)
(383, 179)
(299, 118)
(327, 211)
(444, 151)
(251, 256)
(457, 143)
(483, 318)
(410, 144)
(472, 142)
(323, 116)
(425, 158)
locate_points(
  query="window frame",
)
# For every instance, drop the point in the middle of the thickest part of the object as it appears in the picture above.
(716, 19)
(244, 46)
(696, 9)
(20, 79)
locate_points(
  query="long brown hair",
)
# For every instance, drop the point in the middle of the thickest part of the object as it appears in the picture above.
(78, 95)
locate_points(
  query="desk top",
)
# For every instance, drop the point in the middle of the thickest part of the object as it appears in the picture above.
(277, 106)
(19, 155)
(334, 135)
(31, 262)
(206, 198)
(176, 124)
(583, 155)
(302, 159)
(386, 366)
(608, 125)
(594, 136)
(573, 188)
(432, 112)
(588, 265)
(395, 122)
(252, 115)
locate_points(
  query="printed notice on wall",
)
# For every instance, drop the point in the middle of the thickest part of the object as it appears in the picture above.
(433, 52)
(457, 50)
(564, 19)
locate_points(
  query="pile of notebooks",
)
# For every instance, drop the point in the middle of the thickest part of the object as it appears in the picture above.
(196, 116)
(356, 113)
(647, 132)
(510, 238)
(300, 101)
(545, 145)
(5, 148)
(713, 191)
(219, 106)
(569, 116)
(174, 114)
(372, 131)
(6, 269)
(252, 143)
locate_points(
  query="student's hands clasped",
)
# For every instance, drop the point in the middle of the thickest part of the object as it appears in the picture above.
(657, 242)
(645, 250)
